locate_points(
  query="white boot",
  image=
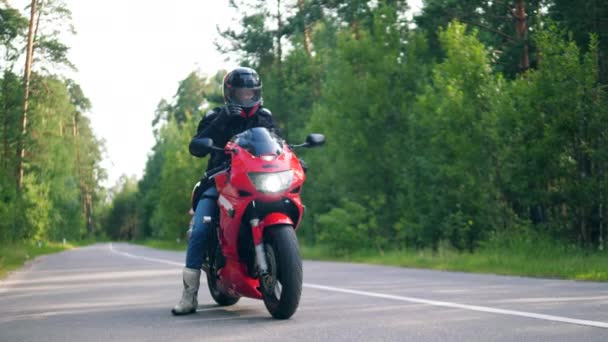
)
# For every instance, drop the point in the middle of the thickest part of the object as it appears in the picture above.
(189, 302)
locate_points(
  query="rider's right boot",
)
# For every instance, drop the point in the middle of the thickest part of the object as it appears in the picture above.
(189, 302)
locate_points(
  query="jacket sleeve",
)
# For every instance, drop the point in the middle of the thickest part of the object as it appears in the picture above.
(210, 126)
(267, 120)
(211, 123)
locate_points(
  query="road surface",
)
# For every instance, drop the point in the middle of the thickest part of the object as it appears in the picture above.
(122, 292)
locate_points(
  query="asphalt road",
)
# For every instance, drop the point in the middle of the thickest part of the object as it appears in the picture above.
(123, 292)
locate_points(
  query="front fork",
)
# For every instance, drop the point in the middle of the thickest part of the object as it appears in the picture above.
(258, 243)
(260, 253)
(267, 282)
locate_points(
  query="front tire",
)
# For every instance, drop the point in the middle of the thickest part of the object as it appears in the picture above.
(282, 296)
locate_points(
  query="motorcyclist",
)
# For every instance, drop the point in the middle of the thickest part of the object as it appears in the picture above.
(243, 110)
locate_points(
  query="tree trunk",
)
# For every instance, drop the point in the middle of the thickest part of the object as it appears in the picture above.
(5, 150)
(78, 164)
(522, 34)
(308, 46)
(307, 40)
(279, 35)
(583, 228)
(602, 187)
(27, 75)
(89, 213)
(356, 27)
(280, 67)
(601, 237)
(85, 193)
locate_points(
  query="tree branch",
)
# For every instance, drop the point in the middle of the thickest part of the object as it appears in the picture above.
(487, 28)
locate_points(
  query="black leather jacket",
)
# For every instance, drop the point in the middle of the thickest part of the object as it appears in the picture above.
(221, 128)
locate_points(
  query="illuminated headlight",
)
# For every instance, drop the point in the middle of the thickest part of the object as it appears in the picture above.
(271, 182)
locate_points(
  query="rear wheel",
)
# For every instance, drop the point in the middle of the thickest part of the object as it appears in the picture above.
(282, 286)
(220, 297)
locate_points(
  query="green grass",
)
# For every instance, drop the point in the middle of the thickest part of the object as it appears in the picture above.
(14, 255)
(551, 263)
(532, 259)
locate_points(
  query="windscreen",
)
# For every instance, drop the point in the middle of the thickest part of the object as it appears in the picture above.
(259, 141)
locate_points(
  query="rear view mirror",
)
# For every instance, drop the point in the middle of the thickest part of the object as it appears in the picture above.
(201, 146)
(315, 139)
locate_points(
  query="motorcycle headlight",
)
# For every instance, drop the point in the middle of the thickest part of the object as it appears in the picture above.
(271, 182)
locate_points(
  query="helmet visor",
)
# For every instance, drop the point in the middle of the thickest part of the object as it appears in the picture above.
(245, 97)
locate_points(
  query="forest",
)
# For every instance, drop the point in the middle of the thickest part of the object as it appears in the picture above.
(50, 172)
(468, 123)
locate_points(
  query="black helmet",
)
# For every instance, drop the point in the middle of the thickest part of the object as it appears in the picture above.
(242, 86)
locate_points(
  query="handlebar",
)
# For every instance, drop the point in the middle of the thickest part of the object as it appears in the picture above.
(209, 174)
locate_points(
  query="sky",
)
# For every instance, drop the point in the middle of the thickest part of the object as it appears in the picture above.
(130, 54)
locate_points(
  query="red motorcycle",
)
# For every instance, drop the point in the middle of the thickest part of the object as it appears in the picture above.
(254, 250)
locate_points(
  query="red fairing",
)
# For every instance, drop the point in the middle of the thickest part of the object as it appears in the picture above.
(235, 280)
(272, 219)
(236, 194)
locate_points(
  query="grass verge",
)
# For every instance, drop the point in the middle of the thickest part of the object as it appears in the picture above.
(577, 265)
(531, 260)
(14, 255)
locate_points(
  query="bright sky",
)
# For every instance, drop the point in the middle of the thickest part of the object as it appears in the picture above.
(130, 55)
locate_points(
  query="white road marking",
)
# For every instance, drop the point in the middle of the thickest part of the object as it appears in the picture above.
(552, 318)
(463, 306)
(129, 255)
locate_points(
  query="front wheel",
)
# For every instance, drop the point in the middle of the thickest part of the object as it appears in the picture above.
(282, 286)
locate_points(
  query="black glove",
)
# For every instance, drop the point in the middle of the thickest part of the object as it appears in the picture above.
(233, 110)
(304, 165)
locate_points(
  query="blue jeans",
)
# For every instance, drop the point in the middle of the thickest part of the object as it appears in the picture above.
(207, 206)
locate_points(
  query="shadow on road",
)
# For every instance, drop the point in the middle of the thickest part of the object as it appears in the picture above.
(212, 312)
(129, 314)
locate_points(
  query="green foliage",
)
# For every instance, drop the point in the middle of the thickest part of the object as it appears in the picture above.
(62, 171)
(360, 114)
(557, 121)
(9, 205)
(342, 227)
(53, 19)
(550, 260)
(255, 43)
(121, 221)
(163, 195)
(38, 207)
(456, 129)
(12, 26)
(585, 20)
(179, 173)
(436, 139)
(495, 22)
(189, 96)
